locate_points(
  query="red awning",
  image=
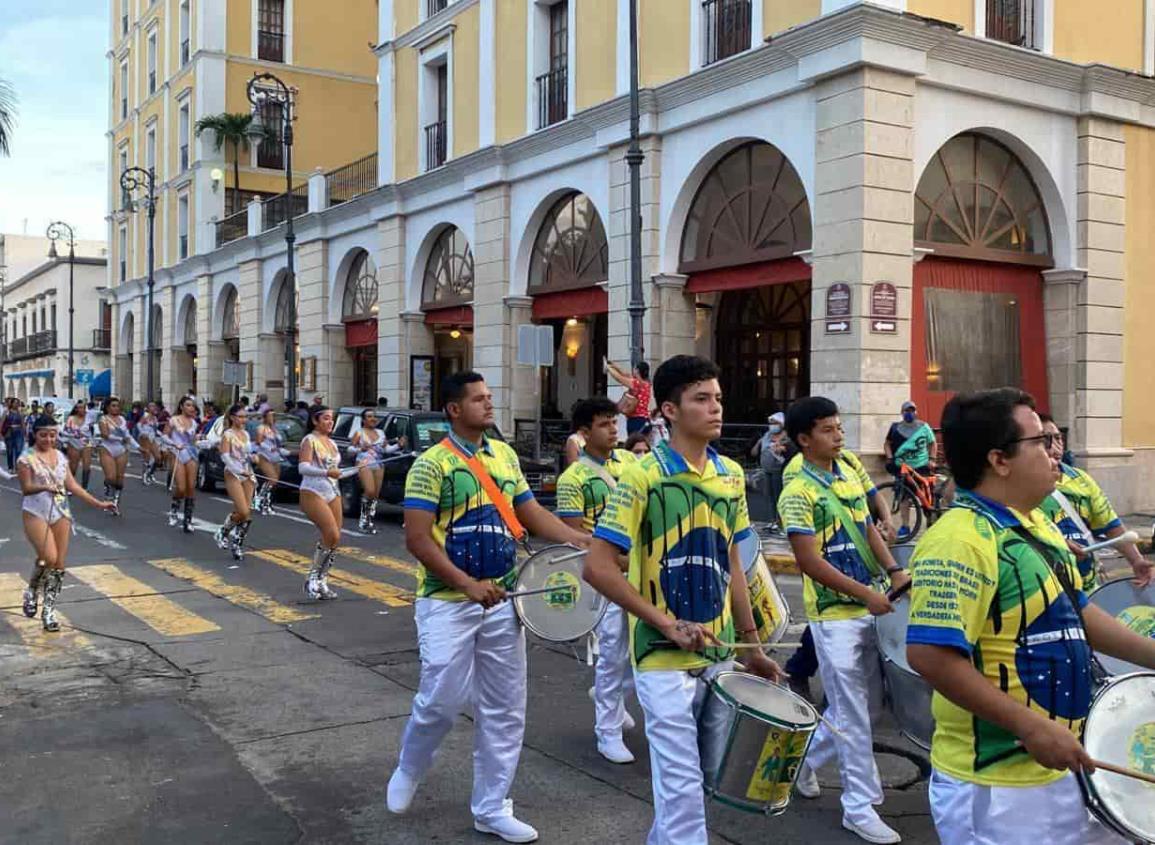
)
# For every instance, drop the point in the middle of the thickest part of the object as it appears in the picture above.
(778, 272)
(461, 315)
(571, 303)
(360, 333)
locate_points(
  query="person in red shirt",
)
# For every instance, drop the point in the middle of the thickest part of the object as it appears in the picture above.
(638, 386)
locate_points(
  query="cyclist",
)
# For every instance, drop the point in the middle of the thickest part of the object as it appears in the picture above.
(909, 442)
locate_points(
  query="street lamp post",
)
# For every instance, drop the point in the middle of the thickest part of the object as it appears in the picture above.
(59, 231)
(266, 88)
(634, 159)
(130, 180)
(3, 326)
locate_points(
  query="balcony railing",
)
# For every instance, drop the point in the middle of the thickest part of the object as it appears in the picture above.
(552, 97)
(124, 24)
(184, 52)
(432, 7)
(271, 46)
(123, 107)
(152, 82)
(232, 228)
(183, 157)
(727, 28)
(39, 343)
(271, 153)
(102, 338)
(435, 144)
(352, 180)
(274, 210)
(182, 247)
(1013, 21)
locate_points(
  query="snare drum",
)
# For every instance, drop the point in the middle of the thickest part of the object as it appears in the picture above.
(771, 613)
(1131, 605)
(909, 695)
(753, 736)
(571, 610)
(1120, 729)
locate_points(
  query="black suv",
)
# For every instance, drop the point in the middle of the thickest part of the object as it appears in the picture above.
(212, 469)
(421, 429)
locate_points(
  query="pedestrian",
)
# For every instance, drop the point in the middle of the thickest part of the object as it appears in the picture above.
(78, 441)
(318, 402)
(267, 446)
(319, 463)
(180, 435)
(210, 415)
(133, 418)
(29, 418)
(301, 412)
(657, 430)
(12, 430)
(45, 481)
(240, 483)
(115, 441)
(635, 404)
(770, 450)
(909, 442)
(368, 449)
(638, 444)
(382, 401)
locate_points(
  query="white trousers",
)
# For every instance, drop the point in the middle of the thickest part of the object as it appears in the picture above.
(612, 675)
(848, 663)
(671, 701)
(1055, 814)
(470, 654)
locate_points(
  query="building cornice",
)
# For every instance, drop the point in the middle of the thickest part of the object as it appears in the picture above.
(428, 31)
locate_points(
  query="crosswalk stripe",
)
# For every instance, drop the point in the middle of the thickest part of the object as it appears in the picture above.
(367, 587)
(378, 560)
(267, 607)
(32, 631)
(161, 614)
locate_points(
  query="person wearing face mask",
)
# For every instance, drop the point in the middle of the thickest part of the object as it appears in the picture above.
(771, 453)
(909, 442)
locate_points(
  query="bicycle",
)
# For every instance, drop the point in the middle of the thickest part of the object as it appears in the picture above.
(927, 498)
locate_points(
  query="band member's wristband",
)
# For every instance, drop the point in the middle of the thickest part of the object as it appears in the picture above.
(894, 569)
(745, 631)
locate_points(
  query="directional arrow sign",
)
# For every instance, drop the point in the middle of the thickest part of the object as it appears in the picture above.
(883, 326)
(837, 327)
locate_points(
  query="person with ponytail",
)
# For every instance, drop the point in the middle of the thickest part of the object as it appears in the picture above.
(240, 482)
(321, 498)
(368, 449)
(115, 441)
(180, 435)
(267, 445)
(78, 441)
(146, 430)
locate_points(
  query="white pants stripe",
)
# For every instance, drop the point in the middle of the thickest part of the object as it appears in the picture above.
(848, 663)
(469, 653)
(1055, 814)
(671, 701)
(612, 675)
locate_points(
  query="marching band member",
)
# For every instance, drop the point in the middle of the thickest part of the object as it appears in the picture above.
(267, 447)
(114, 443)
(180, 435)
(582, 492)
(146, 433)
(77, 438)
(44, 479)
(472, 645)
(320, 499)
(840, 552)
(1001, 629)
(368, 449)
(679, 513)
(236, 454)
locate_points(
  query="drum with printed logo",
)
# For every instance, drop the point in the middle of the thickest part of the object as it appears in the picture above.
(909, 696)
(1131, 605)
(1120, 730)
(753, 736)
(771, 613)
(552, 600)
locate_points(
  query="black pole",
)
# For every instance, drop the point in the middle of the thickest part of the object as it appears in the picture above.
(634, 159)
(290, 237)
(148, 397)
(71, 311)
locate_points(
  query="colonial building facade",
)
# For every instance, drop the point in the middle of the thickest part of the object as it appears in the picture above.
(867, 201)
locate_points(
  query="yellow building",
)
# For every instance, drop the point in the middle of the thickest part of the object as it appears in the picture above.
(173, 62)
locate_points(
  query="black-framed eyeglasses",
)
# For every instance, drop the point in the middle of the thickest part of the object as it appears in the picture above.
(1047, 440)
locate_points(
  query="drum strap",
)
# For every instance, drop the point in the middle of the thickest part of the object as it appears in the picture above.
(1072, 514)
(599, 470)
(502, 504)
(856, 537)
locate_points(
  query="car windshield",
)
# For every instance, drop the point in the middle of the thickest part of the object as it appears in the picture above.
(432, 430)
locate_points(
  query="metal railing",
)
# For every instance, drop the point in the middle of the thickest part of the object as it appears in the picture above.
(152, 82)
(1013, 21)
(435, 144)
(552, 97)
(232, 228)
(34, 344)
(184, 52)
(270, 46)
(183, 157)
(432, 7)
(726, 24)
(275, 210)
(124, 24)
(271, 152)
(182, 248)
(351, 180)
(123, 107)
(102, 338)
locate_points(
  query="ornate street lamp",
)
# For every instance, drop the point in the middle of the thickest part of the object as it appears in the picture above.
(61, 231)
(132, 180)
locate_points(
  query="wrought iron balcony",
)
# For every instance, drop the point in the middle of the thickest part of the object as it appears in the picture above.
(101, 338)
(184, 52)
(432, 7)
(1013, 21)
(232, 228)
(552, 97)
(271, 46)
(435, 144)
(352, 180)
(726, 24)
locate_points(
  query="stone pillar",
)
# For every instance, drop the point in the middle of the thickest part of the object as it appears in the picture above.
(117, 363)
(139, 356)
(169, 390)
(338, 385)
(210, 349)
(491, 336)
(1060, 306)
(416, 339)
(674, 316)
(250, 300)
(863, 233)
(524, 381)
(313, 311)
(392, 353)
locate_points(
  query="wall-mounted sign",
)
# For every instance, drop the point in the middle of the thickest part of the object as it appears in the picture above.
(838, 300)
(421, 382)
(883, 300)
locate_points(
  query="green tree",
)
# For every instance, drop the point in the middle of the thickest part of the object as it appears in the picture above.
(231, 129)
(7, 116)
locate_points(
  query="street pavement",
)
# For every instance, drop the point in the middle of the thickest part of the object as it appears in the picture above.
(190, 699)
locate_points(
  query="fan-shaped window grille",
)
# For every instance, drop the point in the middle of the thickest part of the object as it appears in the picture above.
(449, 271)
(751, 207)
(570, 251)
(282, 315)
(360, 301)
(231, 329)
(976, 200)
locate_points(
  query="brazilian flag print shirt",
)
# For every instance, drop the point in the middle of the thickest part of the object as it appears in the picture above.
(581, 490)
(678, 526)
(1091, 504)
(980, 587)
(466, 524)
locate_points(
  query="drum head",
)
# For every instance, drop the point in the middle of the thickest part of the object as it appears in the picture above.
(891, 630)
(572, 609)
(1134, 607)
(776, 704)
(1120, 729)
(749, 550)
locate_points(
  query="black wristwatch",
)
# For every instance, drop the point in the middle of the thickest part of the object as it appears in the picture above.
(894, 569)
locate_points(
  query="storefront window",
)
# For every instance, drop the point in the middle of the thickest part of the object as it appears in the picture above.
(972, 340)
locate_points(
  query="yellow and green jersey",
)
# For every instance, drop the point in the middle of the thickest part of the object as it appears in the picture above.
(1092, 506)
(678, 525)
(846, 458)
(985, 589)
(466, 523)
(805, 508)
(582, 491)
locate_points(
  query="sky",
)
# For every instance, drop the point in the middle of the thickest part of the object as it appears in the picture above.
(53, 52)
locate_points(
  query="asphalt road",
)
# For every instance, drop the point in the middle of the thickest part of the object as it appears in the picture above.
(190, 699)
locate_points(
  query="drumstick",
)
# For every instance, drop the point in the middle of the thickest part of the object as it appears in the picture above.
(1125, 537)
(1124, 771)
(895, 594)
(567, 587)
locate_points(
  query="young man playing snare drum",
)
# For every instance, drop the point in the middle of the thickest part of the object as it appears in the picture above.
(472, 645)
(1001, 629)
(679, 512)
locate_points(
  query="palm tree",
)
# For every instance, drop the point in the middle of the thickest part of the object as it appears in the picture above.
(7, 116)
(228, 129)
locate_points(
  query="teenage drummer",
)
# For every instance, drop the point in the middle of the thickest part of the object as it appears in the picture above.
(679, 512)
(841, 554)
(582, 492)
(1001, 629)
(472, 646)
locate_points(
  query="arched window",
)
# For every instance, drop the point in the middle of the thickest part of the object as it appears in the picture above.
(751, 207)
(570, 250)
(360, 302)
(190, 324)
(976, 200)
(231, 327)
(282, 313)
(128, 335)
(157, 327)
(449, 271)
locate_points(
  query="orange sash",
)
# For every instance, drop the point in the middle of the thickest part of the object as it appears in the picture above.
(504, 508)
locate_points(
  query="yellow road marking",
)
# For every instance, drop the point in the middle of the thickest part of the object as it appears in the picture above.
(241, 596)
(161, 614)
(32, 631)
(376, 590)
(378, 560)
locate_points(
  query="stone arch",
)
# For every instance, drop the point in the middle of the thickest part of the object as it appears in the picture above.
(416, 278)
(185, 320)
(126, 344)
(519, 275)
(274, 317)
(340, 275)
(226, 300)
(457, 269)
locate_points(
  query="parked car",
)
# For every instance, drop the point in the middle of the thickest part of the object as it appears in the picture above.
(211, 470)
(421, 429)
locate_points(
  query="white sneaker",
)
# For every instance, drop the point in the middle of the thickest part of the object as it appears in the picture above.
(400, 793)
(807, 783)
(507, 828)
(614, 750)
(628, 723)
(872, 830)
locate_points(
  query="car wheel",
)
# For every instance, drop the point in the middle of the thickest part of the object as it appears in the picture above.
(350, 499)
(204, 480)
